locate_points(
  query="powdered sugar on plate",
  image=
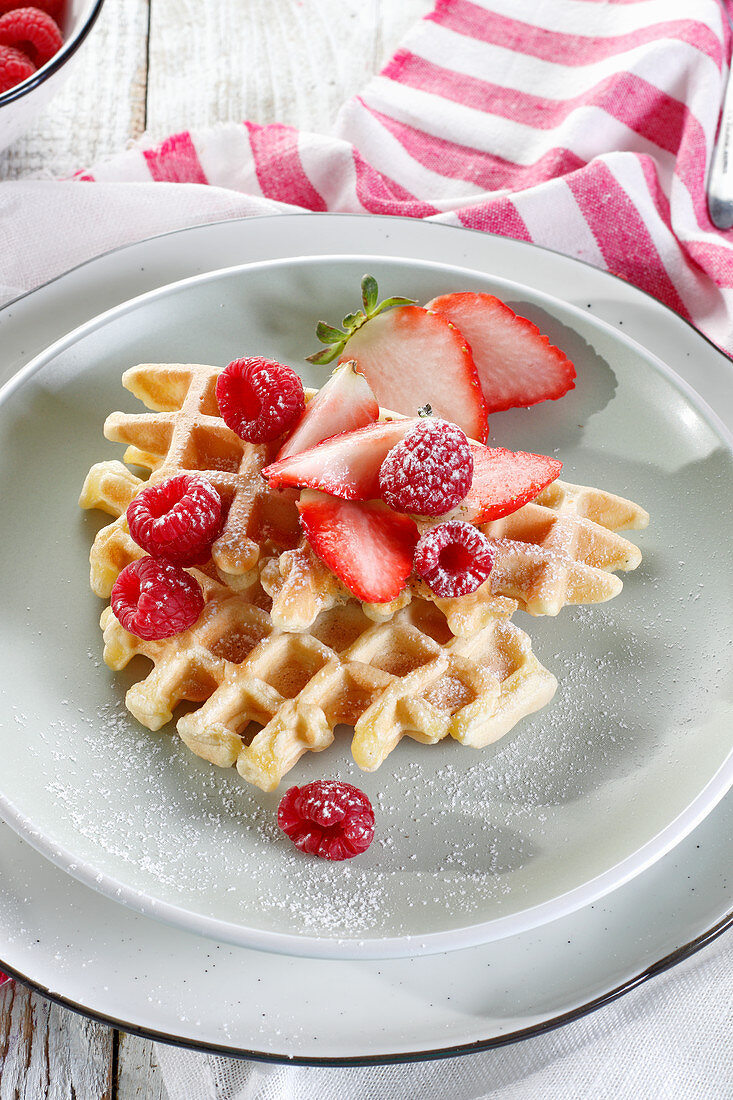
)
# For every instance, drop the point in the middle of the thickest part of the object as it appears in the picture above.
(458, 830)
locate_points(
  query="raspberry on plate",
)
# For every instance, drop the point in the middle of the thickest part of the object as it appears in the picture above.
(259, 399)
(15, 67)
(176, 520)
(453, 559)
(327, 818)
(33, 32)
(154, 599)
(430, 471)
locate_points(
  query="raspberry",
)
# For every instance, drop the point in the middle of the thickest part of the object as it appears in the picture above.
(429, 471)
(33, 32)
(259, 399)
(14, 67)
(54, 8)
(327, 818)
(453, 558)
(176, 520)
(154, 599)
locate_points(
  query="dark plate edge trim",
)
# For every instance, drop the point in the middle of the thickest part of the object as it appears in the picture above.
(663, 964)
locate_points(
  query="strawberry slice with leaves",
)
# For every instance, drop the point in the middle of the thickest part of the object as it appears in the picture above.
(503, 482)
(410, 357)
(336, 339)
(367, 545)
(345, 466)
(517, 366)
(342, 405)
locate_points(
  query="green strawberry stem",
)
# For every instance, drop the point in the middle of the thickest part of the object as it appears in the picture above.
(336, 339)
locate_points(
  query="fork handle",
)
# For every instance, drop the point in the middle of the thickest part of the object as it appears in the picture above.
(720, 179)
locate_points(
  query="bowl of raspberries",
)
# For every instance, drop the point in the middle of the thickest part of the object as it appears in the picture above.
(38, 39)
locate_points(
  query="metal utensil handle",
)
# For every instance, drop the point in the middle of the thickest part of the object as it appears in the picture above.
(720, 178)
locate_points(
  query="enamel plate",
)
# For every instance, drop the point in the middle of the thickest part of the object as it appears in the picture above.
(471, 846)
(487, 846)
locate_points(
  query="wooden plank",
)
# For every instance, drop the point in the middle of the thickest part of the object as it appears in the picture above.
(49, 1052)
(138, 1073)
(293, 62)
(99, 109)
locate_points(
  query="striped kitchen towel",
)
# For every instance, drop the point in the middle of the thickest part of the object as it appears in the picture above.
(585, 126)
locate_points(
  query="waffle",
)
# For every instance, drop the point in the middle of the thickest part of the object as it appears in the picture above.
(185, 434)
(564, 548)
(282, 653)
(267, 696)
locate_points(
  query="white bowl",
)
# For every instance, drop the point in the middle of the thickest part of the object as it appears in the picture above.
(20, 105)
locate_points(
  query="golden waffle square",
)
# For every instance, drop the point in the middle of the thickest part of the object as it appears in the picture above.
(267, 697)
(563, 548)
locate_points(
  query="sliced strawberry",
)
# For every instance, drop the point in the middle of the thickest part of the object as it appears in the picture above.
(516, 365)
(346, 465)
(367, 545)
(411, 358)
(342, 405)
(504, 481)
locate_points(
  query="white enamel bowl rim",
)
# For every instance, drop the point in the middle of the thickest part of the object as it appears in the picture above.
(398, 946)
(71, 44)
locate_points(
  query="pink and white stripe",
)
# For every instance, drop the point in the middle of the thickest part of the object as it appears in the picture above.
(585, 126)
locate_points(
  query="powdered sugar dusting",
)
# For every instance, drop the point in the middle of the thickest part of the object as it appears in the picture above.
(461, 835)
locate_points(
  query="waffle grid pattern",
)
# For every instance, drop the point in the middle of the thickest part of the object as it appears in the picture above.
(282, 655)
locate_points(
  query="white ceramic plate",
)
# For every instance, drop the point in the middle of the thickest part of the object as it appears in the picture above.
(138, 973)
(628, 758)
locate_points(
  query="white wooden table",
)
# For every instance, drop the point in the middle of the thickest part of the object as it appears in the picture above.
(150, 68)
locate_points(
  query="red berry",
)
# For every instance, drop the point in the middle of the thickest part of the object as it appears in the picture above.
(429, 471)
(327, 818)
(259, 399)
(14, 67)
(453, 558)
(33, 32)
(154, 599)
(176, 520)
(54, 8)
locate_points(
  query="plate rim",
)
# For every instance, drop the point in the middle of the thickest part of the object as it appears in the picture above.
(365, 946)
(390, 218)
